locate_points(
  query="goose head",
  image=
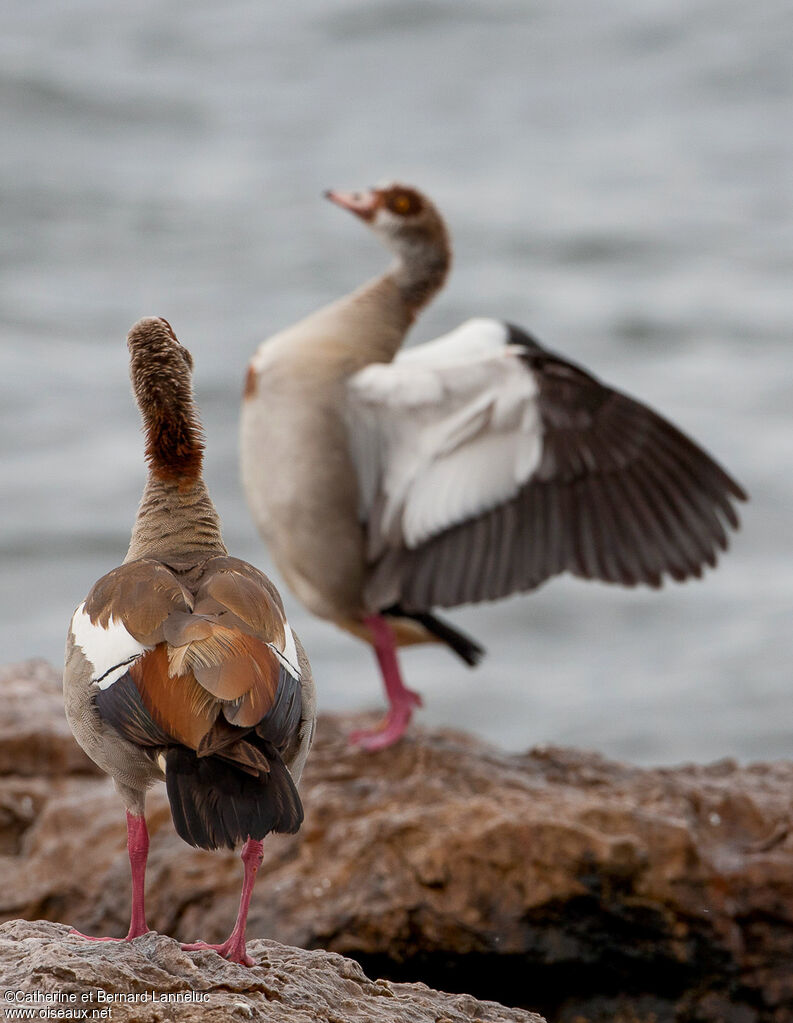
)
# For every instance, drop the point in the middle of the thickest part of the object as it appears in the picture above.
(402, 217)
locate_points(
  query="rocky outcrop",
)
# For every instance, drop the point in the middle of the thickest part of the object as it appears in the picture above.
(34, 737)
(554, 880)
(151, 980)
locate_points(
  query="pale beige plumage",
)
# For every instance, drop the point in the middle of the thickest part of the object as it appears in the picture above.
(471, 467)
(294, 431)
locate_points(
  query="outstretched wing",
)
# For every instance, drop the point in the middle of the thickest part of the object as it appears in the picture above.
(488, 465)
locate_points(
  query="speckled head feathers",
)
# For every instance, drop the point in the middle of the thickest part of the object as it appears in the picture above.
(161, 372)
(154, 349)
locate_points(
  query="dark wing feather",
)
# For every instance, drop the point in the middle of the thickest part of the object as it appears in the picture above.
(620, 495)
(151, 708)
(282, 720)
(121, 707)
(216, 804)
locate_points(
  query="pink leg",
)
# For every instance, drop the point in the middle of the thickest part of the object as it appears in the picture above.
(233, 948)
(401, 700)
(138, 849)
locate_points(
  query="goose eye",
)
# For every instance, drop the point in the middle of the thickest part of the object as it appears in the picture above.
(403, 204)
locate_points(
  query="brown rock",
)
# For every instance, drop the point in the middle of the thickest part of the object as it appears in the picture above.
(554, 880)
(34, 736)
(154, 980)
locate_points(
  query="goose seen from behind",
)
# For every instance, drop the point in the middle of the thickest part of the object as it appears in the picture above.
(180, 663)
(388, 483)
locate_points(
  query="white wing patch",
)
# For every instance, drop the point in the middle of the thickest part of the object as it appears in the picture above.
(473, 339)
(447, 431)
(288, 656)
(109, 651)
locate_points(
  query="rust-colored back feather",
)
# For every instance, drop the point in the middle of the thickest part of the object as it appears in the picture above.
(178, 704)
(246, 681)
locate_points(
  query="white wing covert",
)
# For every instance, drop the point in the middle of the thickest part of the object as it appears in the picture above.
(447, 431)
(108, 649)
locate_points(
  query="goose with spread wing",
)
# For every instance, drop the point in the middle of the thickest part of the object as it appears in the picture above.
(388, 483)
(180, 663)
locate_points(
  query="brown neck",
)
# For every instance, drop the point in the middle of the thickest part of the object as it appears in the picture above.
(176, 514)
(174, 445)
(420, 277)
(175, 518)
(161, 373)
(422, 264)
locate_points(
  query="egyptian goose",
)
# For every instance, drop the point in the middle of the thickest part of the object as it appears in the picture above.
(468, 468)
(180, 663)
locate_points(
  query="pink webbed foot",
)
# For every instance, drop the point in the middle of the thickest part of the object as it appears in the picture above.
(392, 727)
(73, 933)
(231, 949)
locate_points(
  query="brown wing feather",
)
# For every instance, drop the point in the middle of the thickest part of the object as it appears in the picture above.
(211, 655)
(243, 601)
(247, 757)
(201, 644)
(141, 594)
(247, 681)
(234, 586)
(211, 683)
(220, 736)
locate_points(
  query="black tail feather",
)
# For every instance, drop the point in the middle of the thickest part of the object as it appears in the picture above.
(215, 804)
(463, 645)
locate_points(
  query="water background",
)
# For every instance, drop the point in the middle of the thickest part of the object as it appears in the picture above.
(617, 177)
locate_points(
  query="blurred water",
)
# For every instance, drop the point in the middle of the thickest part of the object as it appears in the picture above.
(617, 177)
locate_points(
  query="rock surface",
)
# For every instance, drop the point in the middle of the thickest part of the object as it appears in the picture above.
(554, 880)
(34, 736)
(157, 981)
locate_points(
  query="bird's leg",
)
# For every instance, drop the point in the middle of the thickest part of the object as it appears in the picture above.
(138, 849)
(233, 948)
(401, 700)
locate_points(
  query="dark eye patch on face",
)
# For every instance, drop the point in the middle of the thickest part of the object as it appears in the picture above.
(403, 201)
